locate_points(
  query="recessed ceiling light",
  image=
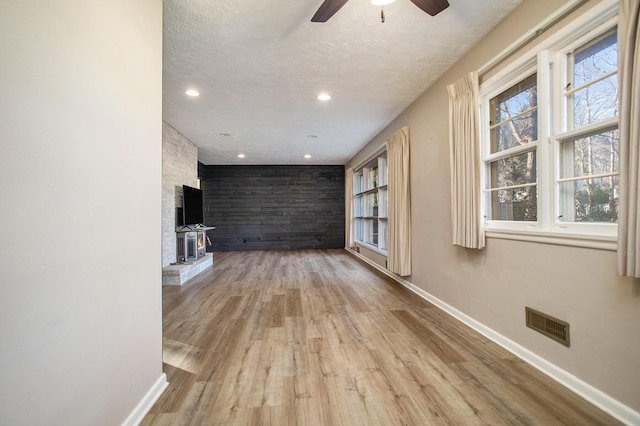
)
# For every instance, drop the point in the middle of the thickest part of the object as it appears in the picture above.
(324, 97)
(240, 155)
(381, 2)
(307, 156)
(192, 92)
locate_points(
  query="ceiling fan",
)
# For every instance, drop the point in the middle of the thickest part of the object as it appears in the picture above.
(329, 7)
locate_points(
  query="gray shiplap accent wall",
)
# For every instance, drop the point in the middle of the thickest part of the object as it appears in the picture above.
(274, 207)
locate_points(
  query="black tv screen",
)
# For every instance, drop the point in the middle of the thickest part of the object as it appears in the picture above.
(192, 207)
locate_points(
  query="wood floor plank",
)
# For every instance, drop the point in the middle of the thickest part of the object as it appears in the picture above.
(423, 335)
(315, 337)
(293, 306)
(172, 399)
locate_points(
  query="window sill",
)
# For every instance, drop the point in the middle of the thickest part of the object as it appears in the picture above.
(372, 248)
(600, 242)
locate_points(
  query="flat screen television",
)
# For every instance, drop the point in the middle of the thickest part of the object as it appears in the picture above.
(192, 206)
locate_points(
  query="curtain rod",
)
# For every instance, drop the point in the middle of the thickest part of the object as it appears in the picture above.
(532, 34)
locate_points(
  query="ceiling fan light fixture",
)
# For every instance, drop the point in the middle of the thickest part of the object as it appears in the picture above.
(381, 2)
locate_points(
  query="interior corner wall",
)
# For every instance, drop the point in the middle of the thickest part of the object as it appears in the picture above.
(179, 167)
(493, 285)
(81, 168)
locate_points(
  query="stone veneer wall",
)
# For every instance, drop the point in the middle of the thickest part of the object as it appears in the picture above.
(179, 167)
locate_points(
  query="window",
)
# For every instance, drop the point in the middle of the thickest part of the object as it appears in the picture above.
(550, 138)
(588, 181)
(512, 163)
(370, 204)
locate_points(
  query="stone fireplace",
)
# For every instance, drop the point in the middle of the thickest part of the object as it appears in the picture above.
(192, 256)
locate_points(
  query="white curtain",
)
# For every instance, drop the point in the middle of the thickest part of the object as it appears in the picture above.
(629, 87)
(399, 202)
(464, 162)
(348, 209)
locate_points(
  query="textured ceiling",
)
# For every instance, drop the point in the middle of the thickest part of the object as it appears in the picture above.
(259, 65)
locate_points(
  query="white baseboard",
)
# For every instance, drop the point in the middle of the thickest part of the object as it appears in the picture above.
(595, 396)
(147, 401)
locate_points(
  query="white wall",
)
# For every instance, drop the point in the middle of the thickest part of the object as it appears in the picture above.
(80, 173)
(494, 285)
(179, 167)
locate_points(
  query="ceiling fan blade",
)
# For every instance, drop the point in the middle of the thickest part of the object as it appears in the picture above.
(327, 9)
(432, 7)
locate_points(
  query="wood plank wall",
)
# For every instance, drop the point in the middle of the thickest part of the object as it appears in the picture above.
(274, 207)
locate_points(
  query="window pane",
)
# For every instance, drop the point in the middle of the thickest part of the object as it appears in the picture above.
(357, 229)
(592, 155)
(373, 178)
(372, 231)
(372, 204)
(594, 200)
(382, 171)
(374, 236)
(598, 100)
(357, 206)
(516, 170)
(519, 98)
(595, 60)
(512, 129)
(357, 183)
(382, 202)
(383, 235)
(518, 131)
(519, 204)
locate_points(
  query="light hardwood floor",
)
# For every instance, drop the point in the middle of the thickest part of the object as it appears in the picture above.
(319, 338)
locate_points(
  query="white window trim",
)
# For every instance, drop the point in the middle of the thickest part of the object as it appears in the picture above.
(547, 59)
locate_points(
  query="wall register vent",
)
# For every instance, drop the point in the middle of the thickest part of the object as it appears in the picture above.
(549, 326)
